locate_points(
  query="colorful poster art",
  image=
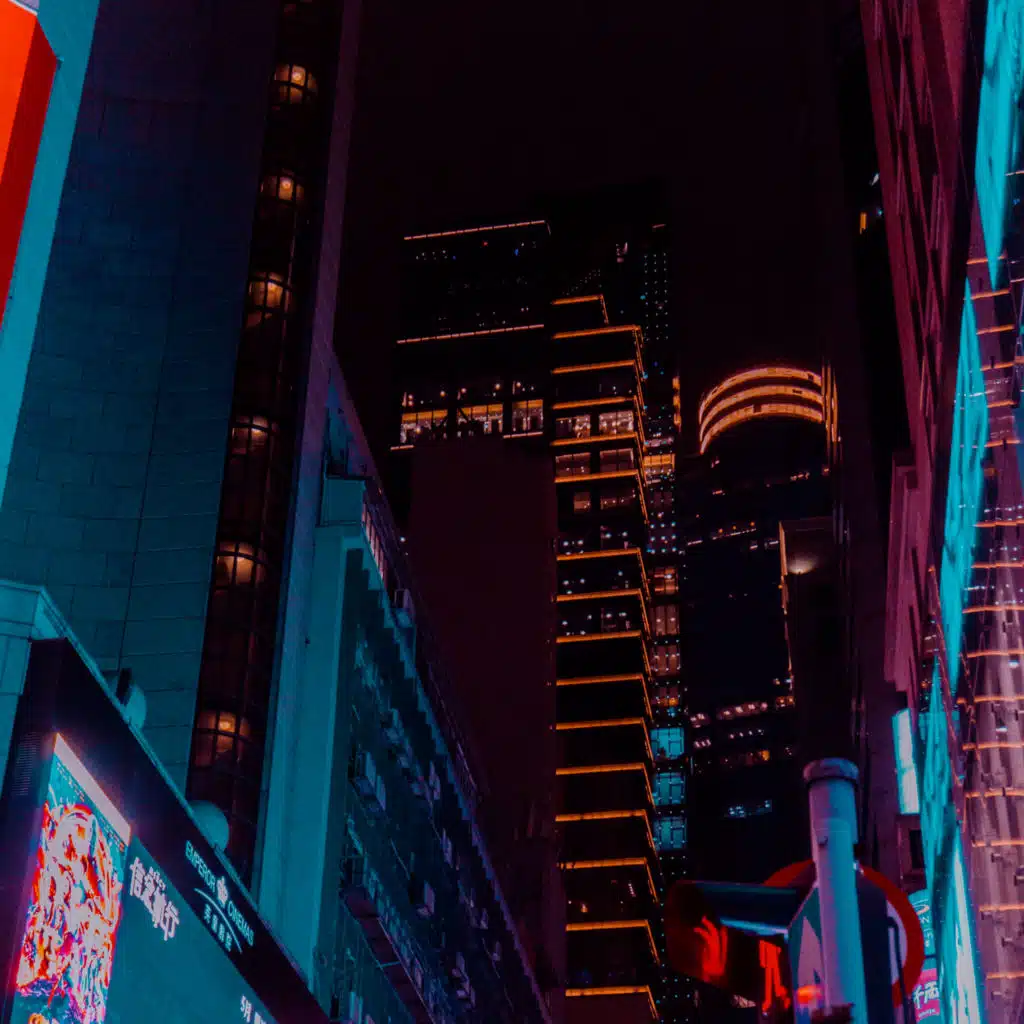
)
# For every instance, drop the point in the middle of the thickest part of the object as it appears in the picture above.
(67, 952)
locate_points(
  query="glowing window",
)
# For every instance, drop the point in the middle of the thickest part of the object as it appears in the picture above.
(268, 294)
(667, 742)
(425, 424)
(293, 84)
(666, 620)
(221, 739)
(666, 580)
(480, 419)
(249, 435)
(528, 416)
(617, 497)
(577, 464)
(670, 832)
(572, 426)
(666, 660)
(283, 187)
(581, 501)
(239, 565)
(619, 421)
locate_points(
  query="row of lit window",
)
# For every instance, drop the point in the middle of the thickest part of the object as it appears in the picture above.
(752, 707)
(619, 421)
(611, 460)
(526, 417)
(753, 810)
(608, 499)
(612, 620)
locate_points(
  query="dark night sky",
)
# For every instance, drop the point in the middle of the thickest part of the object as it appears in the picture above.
(469, 108)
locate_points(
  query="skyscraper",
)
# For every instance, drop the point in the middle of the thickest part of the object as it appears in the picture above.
(494, 358)
(762, 460)
(189, 483)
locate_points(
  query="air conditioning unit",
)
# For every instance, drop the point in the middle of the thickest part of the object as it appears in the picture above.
(447, 849)
(364, 774)
(423, 898)
(496, 953)
(404, 609)
(417, 975)
(434, 782)
(481, 921)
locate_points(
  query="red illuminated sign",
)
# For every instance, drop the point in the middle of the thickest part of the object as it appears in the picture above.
(27, 66)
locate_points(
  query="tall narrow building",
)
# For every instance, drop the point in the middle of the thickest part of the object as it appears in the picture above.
(497, 373)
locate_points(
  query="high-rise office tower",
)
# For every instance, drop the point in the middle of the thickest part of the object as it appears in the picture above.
(762, 460)
(189, 483)
(493, 361)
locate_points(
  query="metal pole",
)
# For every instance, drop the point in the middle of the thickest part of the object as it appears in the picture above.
(830, 784)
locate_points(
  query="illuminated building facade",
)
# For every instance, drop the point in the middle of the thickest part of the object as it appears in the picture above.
(509, 375)
(762, 460)
(953, 620)
(189, 483)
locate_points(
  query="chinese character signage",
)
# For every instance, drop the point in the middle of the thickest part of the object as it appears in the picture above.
(926, 993)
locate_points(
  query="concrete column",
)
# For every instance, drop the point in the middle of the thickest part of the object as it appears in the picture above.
(830, 784)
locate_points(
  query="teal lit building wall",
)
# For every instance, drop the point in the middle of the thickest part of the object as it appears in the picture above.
(999, 121)
(68, 26)
(959, 980)
(114, 481)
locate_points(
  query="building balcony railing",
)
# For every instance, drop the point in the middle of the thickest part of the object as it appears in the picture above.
(640, 926)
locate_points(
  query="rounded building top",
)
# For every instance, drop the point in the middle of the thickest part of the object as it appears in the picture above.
(766, 391)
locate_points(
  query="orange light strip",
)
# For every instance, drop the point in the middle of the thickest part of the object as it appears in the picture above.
(977, 609)
(609, 926)
(990, 523)
(601, 769)
(476, 231)
(990, 295)
(574, 299)
(615, 990)
(991, 698)
(1010, 652)
(991, 908)
(783, 391)
(608, 475)
(1000, 976)
(992, 794)
(401, 447)
(598, 723)
(586, 367)
(583, 403)
(607, 553)
(768, 409)
(625, 634)
(994, 745)
(587, 332)
(1001, 403)
(613, 862)
(998, 565)
(982, 843)
(599, 594)
(633, 677)
(1000, 329)
(601, 815)
(471, 334)
(561, 442)
(761, 372)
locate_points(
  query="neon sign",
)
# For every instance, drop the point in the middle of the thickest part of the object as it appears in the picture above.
(67, 951)
(906, 767)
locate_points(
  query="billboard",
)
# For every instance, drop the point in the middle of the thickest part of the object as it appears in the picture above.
(123, 912)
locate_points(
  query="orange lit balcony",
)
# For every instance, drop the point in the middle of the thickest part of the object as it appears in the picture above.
(624, 994)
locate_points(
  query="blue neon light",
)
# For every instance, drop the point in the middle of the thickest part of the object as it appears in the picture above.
(906, 767)
(998, 122)
(961, 990)
(963, 496)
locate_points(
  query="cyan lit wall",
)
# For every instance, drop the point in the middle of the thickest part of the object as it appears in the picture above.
(68, 26)
(114, 481)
